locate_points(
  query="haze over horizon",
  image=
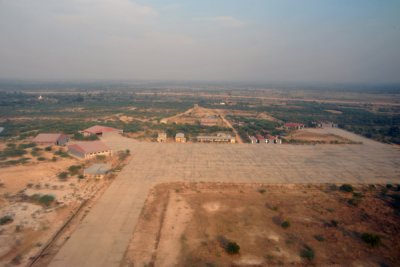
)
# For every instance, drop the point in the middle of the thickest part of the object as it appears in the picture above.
(307, 41)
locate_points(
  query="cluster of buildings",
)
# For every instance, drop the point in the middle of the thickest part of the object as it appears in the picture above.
(83, 149)
(218, 138)
(268, 139)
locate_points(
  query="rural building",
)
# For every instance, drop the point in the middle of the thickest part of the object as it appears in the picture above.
(101, 131)
(219, 138)
(253, 140)
(49, 139)
(260, 138)
(180, 138)
(162, 137)
(98, 170)
(1, 129)
(89, 149)
(273, 139)
(293, 126)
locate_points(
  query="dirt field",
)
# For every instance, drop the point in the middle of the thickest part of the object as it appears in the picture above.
(183, 224)
(34, 223)
(313, 137)
(197, 114)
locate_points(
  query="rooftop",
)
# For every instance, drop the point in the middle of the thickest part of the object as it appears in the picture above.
(89, 146)
(48, 137)
(180, 135)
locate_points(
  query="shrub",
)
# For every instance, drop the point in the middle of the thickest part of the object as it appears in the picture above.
(74, 169)
(41, 158)
(63, 175)
(354, 201)
(307, 253)
(372, 239)
(232, 248)
(229, 246)
(285, 224)
(46, 200)
(346, 188)
(6, 219)
(319, 238)
(261, 190)
(48, 148)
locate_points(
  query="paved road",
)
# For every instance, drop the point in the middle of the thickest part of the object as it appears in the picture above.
(104, 234)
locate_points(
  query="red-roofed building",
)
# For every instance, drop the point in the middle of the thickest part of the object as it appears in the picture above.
(89, 149)
(273, 139)
(293, 126)
(101, 131)
(49, 139)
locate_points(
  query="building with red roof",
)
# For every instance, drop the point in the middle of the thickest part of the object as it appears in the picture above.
(89, 149)
(49, 139)
(101, 131)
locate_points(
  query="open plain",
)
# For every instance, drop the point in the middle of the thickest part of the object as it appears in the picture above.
(103, 236)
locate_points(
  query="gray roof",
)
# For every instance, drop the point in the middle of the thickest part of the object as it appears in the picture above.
(180, 135)
(98, 168)
(1, 129)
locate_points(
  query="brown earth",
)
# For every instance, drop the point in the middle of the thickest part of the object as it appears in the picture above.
(33, 224)
(182, 224)
(197, 114)
(305, 136)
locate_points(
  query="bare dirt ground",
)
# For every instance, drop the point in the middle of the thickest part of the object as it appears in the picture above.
(317, 137)
(181, 225)
(197, 114)
(33, 223)
(111, 221)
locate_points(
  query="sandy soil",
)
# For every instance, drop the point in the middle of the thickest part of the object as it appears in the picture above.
(182, 224)
(33, 224)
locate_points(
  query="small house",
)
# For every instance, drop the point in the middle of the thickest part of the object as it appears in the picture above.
(49, 139)
(162, 137)
(89, 149)
(253, 140)
(180, 138)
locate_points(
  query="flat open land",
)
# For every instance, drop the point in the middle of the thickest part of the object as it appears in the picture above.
(104, 234)
(185, 224)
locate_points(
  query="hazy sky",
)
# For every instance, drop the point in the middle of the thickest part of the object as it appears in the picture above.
(238, 40)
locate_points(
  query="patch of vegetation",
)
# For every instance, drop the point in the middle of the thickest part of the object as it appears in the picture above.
(6, 219)
(346, 188)
(262, 190)
(229, 246)
(372, 239)
(48, 148)
(307, 253)
(320, 238)
(28, 145)
(285, 224)
(74, 169)
(61, 153)
(63, 175)
(46, 200)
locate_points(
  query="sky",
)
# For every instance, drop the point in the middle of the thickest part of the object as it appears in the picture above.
(330, 41)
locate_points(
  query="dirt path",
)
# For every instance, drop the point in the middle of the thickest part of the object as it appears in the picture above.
(238, 138)
(104, 234)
